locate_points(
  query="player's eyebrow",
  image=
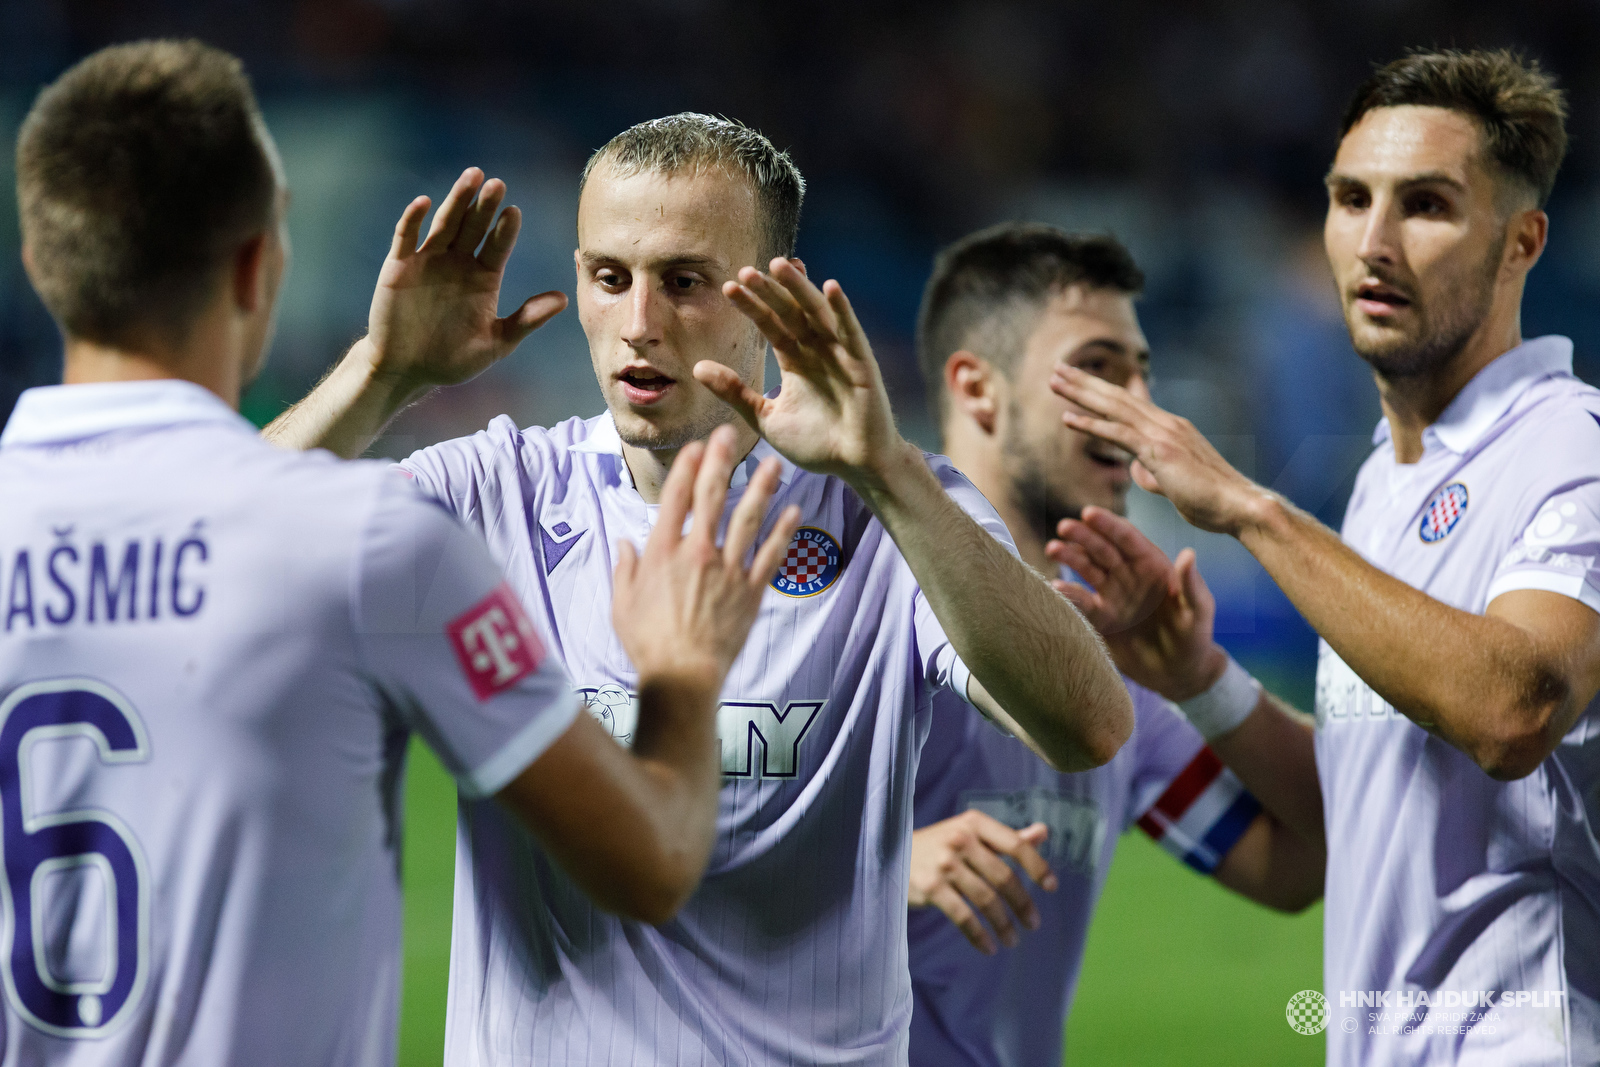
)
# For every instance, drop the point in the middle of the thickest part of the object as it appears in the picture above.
(594, 259)
(1115, 347)
(1431, 177)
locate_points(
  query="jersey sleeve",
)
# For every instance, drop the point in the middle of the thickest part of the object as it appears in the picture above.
(466, 474)
(941, 667)
(1558, 549)
(449, 645)
(1183, 797)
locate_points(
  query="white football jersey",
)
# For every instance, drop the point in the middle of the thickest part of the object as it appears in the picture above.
(213, 654)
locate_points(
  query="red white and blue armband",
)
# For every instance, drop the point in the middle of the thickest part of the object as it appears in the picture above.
(1202, 814)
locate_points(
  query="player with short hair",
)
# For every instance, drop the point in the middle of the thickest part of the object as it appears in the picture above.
(1003, 308)
(899, 581)
(214, 652)
(1458, 734)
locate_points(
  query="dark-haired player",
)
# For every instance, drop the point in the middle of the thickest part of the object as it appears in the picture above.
(1003, 308)
(793, 949)
(1458, 735)
(214, 651)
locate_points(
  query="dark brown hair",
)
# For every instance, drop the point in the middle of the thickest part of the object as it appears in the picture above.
(988, 289)
(140, 171)
(1518, 106)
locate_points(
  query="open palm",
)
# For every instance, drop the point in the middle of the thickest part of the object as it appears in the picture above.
(831, 414)
(434, 318)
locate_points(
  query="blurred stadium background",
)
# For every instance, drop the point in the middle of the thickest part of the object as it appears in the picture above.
(1195, 131)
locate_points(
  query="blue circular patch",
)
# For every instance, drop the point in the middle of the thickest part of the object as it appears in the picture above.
(811, 564)
(1443, 511)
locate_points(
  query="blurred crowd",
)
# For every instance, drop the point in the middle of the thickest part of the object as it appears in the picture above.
(1196, 131)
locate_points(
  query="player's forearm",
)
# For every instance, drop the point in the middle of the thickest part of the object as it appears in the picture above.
(1273, 754)
(1481, 683)
(1275, 866)
(1025, 643)
(347, 410)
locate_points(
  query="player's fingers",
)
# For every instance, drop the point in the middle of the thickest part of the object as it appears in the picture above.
(1099, 396)
(627, 563)
(1123, 534)
(711, 487)
(987, 900)
(983, 858)
(502, 239)
(534, 313)
(1100, 549)
(775, 547)
(808, 299)
(755, 301)
(798, 317)
(731, 390)
(1023, 846)
(478, 218)
(1072, 555)
(1144, 479)
(966, 920)
(1196, 594)
(747, 515)
(849, 327)
(447, 220)
(1115, 432)
(409, 228)
(676, 494)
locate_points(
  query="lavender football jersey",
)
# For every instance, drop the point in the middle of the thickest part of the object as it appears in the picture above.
(213, 654)
(1463, 913)
(793, 949)
(1008, 1010)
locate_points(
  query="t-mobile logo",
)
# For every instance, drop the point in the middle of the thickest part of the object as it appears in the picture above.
(496, 643)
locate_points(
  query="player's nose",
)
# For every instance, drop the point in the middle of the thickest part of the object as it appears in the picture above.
(641, 326)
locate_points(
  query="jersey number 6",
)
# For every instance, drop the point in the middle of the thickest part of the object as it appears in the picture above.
(37, 847)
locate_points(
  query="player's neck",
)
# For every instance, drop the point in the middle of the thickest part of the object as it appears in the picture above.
(649, 467)
(200, 358)
(1413, 403)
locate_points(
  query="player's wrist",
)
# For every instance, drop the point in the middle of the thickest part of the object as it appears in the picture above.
(392, 386)
(1225, 704)
(1200, 676)
(891, 478)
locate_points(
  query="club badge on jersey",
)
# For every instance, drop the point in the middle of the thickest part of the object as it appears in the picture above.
(811, 565)
(1443, 511)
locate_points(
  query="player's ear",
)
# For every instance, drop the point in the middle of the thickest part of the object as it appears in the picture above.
(250, 282)
(971, 384)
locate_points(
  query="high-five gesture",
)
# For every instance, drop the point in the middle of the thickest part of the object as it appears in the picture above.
(1156, 616)
(434, 319)
(434, 316)
(832, 413)
(685, 606)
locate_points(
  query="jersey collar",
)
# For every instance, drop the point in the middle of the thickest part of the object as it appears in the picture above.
(57, 414)
(1492, 391)
(604, 440)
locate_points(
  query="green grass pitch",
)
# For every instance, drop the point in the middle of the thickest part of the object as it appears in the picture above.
(1179, 970)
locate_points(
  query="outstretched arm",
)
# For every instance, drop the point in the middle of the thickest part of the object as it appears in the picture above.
(1504, 687)
(1158, 619)
(433, 321)
(1036, 664)
(634, 827)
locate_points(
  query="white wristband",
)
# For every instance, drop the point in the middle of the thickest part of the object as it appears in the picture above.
(1226, 704)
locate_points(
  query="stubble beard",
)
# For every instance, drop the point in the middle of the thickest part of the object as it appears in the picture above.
(1042, 504)
(1436, 344)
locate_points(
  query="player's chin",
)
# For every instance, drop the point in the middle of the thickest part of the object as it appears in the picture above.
(659, 426)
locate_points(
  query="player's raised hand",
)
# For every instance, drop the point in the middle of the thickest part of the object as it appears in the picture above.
(1156, 616)
(832, 413)
(1171, 457)
(686, 605)
(959, 866)
(435, 313)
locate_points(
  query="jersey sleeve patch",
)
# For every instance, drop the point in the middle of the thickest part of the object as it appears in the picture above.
(495, 643)
(1202, 814)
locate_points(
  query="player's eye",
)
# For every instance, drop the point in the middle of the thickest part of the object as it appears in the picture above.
(1353, 199)
(1427, 205)
(682, 282)
(611, 279)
